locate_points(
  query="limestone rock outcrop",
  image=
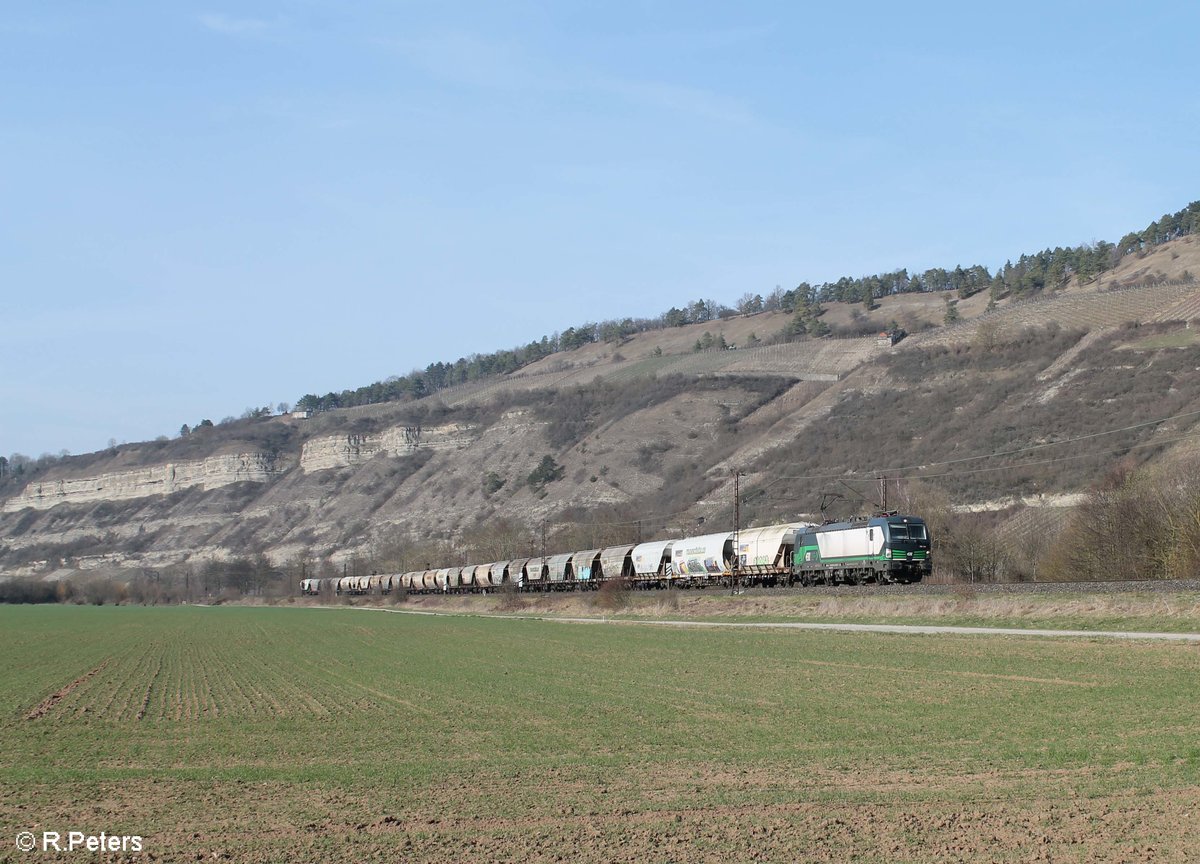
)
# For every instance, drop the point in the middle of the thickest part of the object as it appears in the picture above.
(209, 473)
(347, 449)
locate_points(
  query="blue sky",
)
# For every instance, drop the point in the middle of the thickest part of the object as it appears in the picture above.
(212, 207)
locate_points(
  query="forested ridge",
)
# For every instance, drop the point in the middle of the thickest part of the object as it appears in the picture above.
(1028, 276)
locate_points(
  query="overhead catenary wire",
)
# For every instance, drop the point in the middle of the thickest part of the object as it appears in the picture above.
(872, 473)
(1020, 465)
(917, 472)
(648, 519)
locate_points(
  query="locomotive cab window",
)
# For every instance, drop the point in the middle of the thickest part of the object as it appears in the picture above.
(906, 531)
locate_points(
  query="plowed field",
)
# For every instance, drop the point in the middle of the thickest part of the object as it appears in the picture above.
(286, 734)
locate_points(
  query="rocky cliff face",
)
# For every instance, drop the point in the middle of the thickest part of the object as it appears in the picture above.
(210, 473)
(347, 449)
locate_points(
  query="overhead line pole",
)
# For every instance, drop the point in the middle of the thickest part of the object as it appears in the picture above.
(737, 528)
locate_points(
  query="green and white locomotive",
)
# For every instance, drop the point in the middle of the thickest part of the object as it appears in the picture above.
(885, 548)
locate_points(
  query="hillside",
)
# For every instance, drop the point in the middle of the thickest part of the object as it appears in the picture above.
(643, 437)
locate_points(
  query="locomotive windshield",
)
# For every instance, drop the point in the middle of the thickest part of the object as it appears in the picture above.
(907, 531)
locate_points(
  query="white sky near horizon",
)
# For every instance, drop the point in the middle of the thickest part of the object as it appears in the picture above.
(208, 208)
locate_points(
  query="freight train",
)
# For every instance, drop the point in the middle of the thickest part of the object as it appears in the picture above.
(885, 548)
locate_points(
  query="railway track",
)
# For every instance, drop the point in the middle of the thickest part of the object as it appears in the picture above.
(1156, 586)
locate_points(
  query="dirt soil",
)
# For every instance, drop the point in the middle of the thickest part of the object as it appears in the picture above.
(700, 814)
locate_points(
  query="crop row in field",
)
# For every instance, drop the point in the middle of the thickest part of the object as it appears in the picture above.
(312, 734)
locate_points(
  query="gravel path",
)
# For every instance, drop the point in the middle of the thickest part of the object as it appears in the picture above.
(926, 629)
(895, 628)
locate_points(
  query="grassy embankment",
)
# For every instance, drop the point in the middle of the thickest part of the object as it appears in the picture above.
(1138, 611)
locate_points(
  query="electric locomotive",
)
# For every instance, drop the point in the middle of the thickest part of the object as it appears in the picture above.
(889, 547)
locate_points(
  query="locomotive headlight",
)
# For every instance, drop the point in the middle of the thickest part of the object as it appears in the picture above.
(887, 554)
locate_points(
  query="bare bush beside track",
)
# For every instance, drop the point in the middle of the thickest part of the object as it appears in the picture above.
(1134, 525)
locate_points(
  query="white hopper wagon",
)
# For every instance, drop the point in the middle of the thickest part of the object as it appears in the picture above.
(765, 554)
(560, 568)
(516, 571)
(536, 572)
(585, 564)
(499, 574)
(703, 557)
(482, 577)
(652, 562)
(617, 562)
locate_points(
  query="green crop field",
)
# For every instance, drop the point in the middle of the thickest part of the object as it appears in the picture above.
(299, 734)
